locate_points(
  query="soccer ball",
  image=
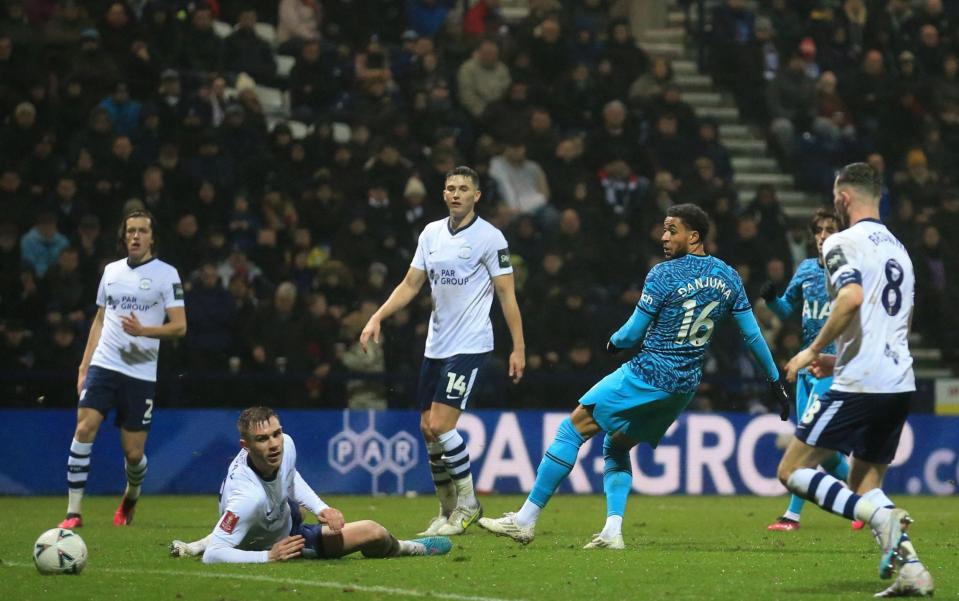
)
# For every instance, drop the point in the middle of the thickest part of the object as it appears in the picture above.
(60, 551)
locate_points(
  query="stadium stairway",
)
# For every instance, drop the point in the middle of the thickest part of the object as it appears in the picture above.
(753, 163)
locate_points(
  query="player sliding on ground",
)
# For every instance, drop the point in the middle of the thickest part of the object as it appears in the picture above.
(807, 289)
(465, 258)
(872, 284)
(673, 322)
(260, 503)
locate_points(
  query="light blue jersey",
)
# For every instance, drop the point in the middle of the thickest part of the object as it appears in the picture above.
(684, 297)
(807, 289)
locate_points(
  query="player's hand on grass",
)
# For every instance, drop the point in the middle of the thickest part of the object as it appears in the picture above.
(371, 330)
(612, 349)
(768, 292)
(517, 365)
(802, 359)
(333, 518)
(132, 325)
(782, 398)
(288, 548)
(824, 366)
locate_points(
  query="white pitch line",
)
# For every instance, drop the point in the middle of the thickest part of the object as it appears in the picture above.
(385, 590)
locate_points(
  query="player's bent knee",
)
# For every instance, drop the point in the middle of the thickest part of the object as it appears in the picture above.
(784, 471)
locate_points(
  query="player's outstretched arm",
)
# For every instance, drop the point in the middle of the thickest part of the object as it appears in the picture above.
(749, 328)
(779, 305)
(844, 309)
(401, 296)
(506, 293)
(630, 333)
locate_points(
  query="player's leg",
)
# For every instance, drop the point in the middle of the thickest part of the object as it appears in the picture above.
(797, 472)
(789, 520)
(556, 465)
(458, 377)
(617, 482)
(134, 417)
(98, 396)
(372, 540)
(442, 482)
(78, 463)
(133, 444)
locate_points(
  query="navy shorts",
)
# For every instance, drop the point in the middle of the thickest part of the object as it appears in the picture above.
(450, 381)
(312, 533)
(105, 389)
(868, 425)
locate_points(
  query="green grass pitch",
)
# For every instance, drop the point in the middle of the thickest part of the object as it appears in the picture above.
(677, 548)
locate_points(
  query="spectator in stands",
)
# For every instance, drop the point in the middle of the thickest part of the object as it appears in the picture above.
(522, 182)
(211, 313)
(41, 246)
(791, 101)
(298, 22)
(245, 51)
(201, 50)
(482, 79)
(733, 29)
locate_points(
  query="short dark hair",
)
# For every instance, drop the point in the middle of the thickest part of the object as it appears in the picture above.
(465, 172)
(822, 215)
(693, 218)
(862, 177)
(122, 230)
(250, 417)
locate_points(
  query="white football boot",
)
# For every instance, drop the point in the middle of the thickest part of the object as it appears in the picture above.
(610, 542)
(507, 526)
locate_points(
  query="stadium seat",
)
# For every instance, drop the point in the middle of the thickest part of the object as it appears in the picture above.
(284, 64)
(273, 100)
(299, 129)
(267, 32)
(222, 29)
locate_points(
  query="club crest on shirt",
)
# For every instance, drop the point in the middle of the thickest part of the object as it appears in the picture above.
(466, 251)
(145, 283)
(229, 521)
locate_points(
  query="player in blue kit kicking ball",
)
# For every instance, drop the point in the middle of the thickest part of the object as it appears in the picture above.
(673, 323)
(807, 289)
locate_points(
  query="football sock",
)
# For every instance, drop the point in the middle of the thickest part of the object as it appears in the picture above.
(795, 507)
(613, 526)
(457, 459)
(408, 547)
(556, 465)
(384, 547)
(906, 549)
(837, 466)
(617, 482)
(830, 494)
(78, 468)
(445, 490)
(135, 475)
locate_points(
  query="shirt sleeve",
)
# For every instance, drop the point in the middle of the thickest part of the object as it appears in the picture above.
(102, 290)
(419, 257)
(842, 262)
(749, 328)
(496, 258)
(655, 291)
(633, 331)
(784, 305)
(230, 530)
(173, 291)
(306, 496)
(741, 303)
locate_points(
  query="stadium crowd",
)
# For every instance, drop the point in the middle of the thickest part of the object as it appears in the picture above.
(287, 241)
(842, 80)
